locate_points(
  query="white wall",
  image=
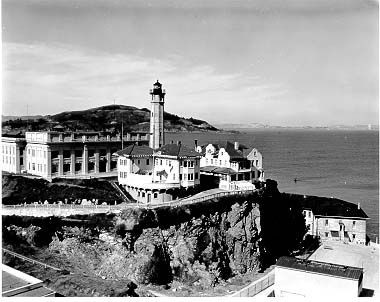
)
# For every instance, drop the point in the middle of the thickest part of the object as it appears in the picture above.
(37, 159)
(293, 283)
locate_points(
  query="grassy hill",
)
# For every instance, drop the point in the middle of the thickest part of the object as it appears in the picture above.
(105, 118)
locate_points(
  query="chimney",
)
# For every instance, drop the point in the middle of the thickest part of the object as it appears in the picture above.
(179, 143)
(358, 205)
(236, 145)
(196, 144)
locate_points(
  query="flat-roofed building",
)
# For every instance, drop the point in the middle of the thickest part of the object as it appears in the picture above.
(51, 154)
(18, 284)
(312, 279)
(335, 219)
(12, 153)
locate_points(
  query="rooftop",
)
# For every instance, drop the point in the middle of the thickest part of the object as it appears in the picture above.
(230, 149)
(135, 151)
(217, 170)
(177, 150)
(331, 269)
(323, 206)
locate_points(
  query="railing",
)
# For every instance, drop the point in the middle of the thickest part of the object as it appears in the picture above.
(256, 287)
(30, 260)
(104, 208)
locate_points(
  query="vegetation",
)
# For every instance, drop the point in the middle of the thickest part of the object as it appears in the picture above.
(106, 118)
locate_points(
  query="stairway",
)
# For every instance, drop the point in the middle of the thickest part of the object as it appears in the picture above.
(124, 195)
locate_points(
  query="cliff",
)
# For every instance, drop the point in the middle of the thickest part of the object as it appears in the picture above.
(193, 249)
(105, 118)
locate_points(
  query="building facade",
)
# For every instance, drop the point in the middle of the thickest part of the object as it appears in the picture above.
(157, 135)
(150, 176)
(52, 154)
(12, 153)
(335, 220)
(296, 278)
(236, 166)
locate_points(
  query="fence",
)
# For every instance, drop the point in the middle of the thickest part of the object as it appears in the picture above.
(72, 209)
(30, 260)
(256, 287)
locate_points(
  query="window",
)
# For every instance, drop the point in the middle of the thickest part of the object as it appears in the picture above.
(211, 161)
(78, 153)
(143, 194)
(220, 162)
(304, 213)
(353, 223)
(44, 154)
(309, 214)
(138, 194)
(138, 161)
(191, 176)
(161, 162)
(326, 234)
(91, 152)
(180, 176)
(326, 222)
(155, 195)
(66, 153)
(170, 163)
(184, 176)
(147, 162)
(33, 166)
(196, 175)
(353, 236)
(185, 164)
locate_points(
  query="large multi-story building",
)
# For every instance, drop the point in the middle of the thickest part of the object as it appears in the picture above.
(335, 219)
(236, 166)
(12, 151)
(52, 154)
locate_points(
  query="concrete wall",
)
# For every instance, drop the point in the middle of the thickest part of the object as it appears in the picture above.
(295, 283)
(10, 152)
(355, 228)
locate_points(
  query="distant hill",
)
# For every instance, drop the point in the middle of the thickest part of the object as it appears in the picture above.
(105, 118)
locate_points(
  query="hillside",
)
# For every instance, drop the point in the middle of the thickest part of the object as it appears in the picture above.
(105, 118)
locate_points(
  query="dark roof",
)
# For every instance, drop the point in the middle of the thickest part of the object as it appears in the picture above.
(331, 269)
(135, 150)
(324, 206)
(217, 170)
(230, 149)
(178, 150)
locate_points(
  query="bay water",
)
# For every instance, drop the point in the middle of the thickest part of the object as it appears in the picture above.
(338, 163)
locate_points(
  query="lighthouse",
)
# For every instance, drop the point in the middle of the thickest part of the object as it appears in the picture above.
(157, 138)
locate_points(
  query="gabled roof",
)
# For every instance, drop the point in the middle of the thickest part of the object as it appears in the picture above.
(177, 150)
(331, 269)
(323, 206)
(230, 149)
(135, 150)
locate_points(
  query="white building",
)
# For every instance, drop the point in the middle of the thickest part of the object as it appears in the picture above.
(12, 153)
(296, 278)
(335, 219)
(151, 176)
(157, 134)
(236, 166)
(51, 154)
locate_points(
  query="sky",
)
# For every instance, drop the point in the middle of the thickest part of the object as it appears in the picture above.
(288, 63)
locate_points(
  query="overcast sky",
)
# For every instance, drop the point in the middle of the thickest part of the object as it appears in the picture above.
(274, 62)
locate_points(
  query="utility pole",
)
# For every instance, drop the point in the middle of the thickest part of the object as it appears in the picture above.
(122, 131)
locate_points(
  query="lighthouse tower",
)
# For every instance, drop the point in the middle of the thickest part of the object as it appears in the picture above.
(157, 139)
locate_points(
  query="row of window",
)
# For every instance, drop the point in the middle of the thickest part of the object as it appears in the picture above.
(10, 161)
(341, 226)
(327, 234)
(9, 149)
(189, 176)
(37, 153)
(37, 167)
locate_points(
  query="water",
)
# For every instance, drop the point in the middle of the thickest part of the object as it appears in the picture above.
(342, 164)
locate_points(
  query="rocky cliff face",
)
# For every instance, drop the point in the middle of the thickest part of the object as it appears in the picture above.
(201, 249)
